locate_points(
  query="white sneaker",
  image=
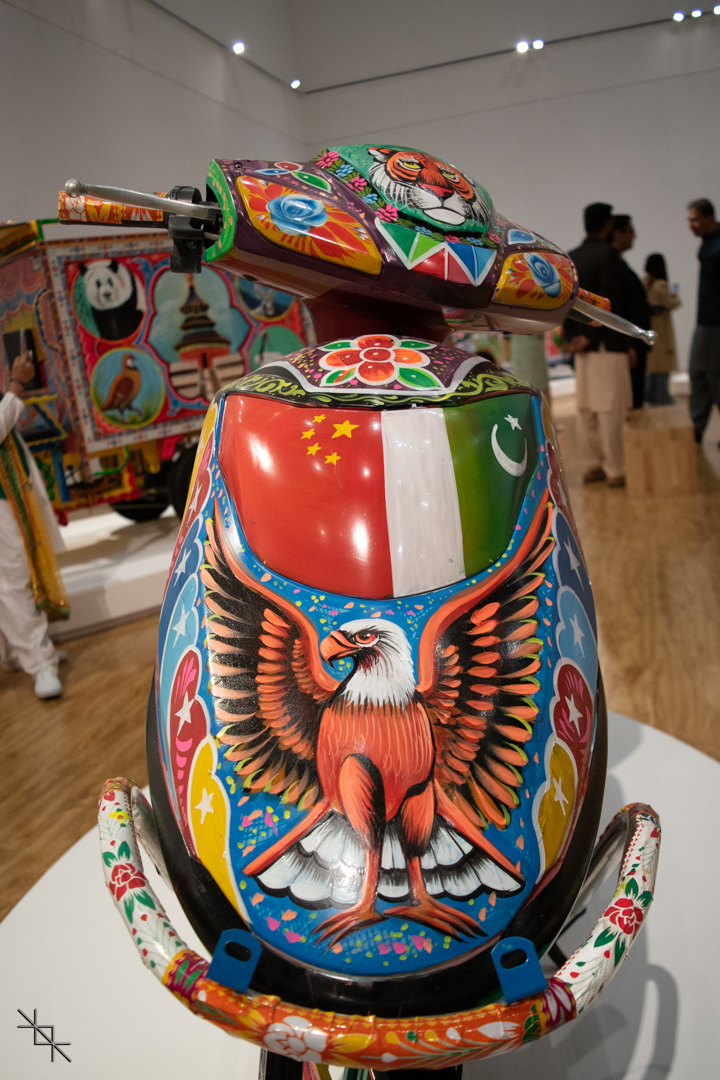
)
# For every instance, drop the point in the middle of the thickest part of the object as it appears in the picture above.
(47, 684)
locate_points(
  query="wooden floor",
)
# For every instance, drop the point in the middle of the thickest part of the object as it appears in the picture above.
(655, 567)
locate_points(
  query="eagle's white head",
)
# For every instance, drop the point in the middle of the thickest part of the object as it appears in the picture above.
(382, 661)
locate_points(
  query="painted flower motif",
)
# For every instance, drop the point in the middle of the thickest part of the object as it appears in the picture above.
(626, 915)
(377, 360)
(325, 160)
(296, 1038)
(125, 876)
(544, 274)
(558, 1003)
(296, 214)
(343, 170)
(357, 183)
(388, 213)
(423, 230)
(371, 198)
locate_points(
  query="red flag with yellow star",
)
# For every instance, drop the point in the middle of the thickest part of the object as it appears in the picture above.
(309, 488)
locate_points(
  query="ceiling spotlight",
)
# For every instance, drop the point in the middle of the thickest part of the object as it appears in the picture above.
(696, 13)
(678, 16)
(538, 43)
(522, 46)
(294, 84)
(238, 47)
(716, 9)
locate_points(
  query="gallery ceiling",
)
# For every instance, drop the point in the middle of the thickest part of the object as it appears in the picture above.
(329, 42)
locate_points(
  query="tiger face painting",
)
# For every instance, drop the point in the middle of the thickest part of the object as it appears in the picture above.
(416, 180)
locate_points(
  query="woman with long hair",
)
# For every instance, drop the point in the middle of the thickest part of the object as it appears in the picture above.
(662, 358)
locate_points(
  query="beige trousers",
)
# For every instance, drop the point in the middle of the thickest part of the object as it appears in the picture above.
(604, 394)
(24, 637)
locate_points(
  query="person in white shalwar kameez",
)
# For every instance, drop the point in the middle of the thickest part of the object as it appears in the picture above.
(24, 639)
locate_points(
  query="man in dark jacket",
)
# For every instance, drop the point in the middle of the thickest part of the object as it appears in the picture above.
(632, 303)
(705, 351)
(601, 355)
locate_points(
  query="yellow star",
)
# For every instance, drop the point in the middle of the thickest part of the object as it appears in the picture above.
(308, 434)
(331, 459)
(318, 419)
(344, 429)
(313, 449)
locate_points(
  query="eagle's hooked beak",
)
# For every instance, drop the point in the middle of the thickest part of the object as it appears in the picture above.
(336, 645)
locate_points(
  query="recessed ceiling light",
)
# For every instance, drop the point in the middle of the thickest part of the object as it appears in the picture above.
(678, 16)
(238, 47)
(696, 13)
(295, 83)
(716, 9)
(522, 46)
(538, 43)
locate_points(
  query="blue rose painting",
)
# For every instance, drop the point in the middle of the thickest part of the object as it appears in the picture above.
(544, 274)
(297, 214)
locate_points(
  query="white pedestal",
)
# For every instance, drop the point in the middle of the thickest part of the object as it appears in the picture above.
(67, 955)
(113, 569)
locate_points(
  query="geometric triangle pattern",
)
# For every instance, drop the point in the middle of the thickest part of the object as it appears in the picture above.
(462, 263)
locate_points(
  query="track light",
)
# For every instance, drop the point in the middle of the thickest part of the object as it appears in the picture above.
(238, 47)
(538, 43)
(522, 46)
(696, 13)
(294, 84)
(678, 16)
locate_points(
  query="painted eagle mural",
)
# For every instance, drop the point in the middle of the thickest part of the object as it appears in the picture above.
(400, 776)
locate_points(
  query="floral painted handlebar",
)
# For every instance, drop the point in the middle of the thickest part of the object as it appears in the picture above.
(368, 1041)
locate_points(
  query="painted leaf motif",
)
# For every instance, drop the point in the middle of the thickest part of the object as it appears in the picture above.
(619, 950)
(632, 888)
(109, 857)
(645, 898)
(605, 937)
(415, 377)
(129, 906)
(124, 851)
(143, 898)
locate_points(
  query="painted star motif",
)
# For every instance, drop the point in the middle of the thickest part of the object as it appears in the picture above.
(574, 713)
(319, 419)
(179, 626)
(180, 568)
(560, 795)
(344, 429)
(193, 502)
(578, 634)
(574, 561)
(308, 434)
(184, 712)
(205, 805)
(331, 459)
(513, 422)
(313, 449)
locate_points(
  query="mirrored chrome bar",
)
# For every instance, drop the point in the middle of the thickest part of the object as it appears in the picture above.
(143, 200)
(614, 322)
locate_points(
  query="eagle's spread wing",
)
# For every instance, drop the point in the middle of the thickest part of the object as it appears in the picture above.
(478, 656)
(266, 677)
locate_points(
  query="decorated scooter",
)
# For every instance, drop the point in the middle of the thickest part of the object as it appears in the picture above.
(377, 732)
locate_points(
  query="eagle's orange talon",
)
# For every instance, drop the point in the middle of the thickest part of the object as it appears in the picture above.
(437, 916)
(339, 926)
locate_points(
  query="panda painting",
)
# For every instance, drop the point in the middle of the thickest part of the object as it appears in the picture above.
(112, 293)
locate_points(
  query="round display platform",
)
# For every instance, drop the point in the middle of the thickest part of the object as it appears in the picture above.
(70, 968)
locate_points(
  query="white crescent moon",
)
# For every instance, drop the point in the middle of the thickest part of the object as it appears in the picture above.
(515, 468)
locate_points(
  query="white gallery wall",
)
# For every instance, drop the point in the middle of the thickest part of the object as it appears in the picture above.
(631, 118)
(117, 91)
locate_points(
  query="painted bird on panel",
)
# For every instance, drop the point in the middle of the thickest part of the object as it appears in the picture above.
(399, 778)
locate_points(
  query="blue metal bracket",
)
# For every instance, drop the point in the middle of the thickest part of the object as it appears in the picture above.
(235, 958)
(518, 969)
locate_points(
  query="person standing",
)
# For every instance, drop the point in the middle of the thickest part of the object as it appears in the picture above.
(30, 582)
(705, 349)
(633, 302)
(662, 358)
(602, 356)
